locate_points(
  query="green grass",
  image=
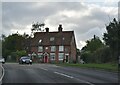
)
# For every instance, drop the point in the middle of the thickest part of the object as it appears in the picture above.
(107, 66)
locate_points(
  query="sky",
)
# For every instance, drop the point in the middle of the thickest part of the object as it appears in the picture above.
(86, 18)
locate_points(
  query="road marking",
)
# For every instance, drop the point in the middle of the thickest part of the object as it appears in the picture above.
(3, 73)
(73, 77)
(85, 81)
(63, 74)
(56, 66)
(44, 69)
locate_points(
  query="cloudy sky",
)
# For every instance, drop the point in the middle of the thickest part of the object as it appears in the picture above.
(86, 18)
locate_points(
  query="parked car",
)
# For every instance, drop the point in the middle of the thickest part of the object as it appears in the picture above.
(2, 60)
(25, 60)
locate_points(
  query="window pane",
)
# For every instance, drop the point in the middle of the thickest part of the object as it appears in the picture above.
(40, 49)
(40, 55)
(61, 56)
(53, 48)
(61, 48)
(52, 56)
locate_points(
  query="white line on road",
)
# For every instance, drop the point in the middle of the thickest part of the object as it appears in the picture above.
(3, 73)
(85, 81)
(64, 75)
(44, 69)
(73, 77)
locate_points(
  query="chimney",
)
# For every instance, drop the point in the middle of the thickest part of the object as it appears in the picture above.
(47, 29)
(60, 28)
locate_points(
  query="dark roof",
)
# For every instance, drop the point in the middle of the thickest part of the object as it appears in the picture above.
(60, 38)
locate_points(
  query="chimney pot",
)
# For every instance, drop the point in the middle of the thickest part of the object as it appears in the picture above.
(60, 28)
(47, 29)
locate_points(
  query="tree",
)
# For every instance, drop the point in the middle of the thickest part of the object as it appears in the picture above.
(93, 44)
(88, 51)
(112, 37)
(12, 43)
(37, 27)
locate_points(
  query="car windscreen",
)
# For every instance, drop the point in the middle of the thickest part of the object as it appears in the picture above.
(25, 58)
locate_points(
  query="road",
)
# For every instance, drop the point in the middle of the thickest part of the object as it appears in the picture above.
(49, 73)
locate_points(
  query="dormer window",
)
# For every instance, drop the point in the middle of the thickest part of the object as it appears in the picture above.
(40, 40)
(52, 38)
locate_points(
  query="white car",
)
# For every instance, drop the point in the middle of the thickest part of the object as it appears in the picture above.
(2, 60)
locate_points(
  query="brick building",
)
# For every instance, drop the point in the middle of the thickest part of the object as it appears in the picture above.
(59, 46)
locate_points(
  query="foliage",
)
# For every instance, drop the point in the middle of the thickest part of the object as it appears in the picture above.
(37, 26)
(104, 66)
(12, 44)
(87, 57)
(88, 52)
(102, 55)
(16, 55)
(96, 52)
(93, 44)
(112, 38)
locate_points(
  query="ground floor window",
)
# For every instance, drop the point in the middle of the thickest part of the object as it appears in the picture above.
(40, 56)
(52, 56)
(61, 56)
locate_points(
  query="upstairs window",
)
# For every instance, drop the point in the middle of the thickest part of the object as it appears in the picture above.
(61, 48)
(53, 48)
(40, 49)
(52, 39)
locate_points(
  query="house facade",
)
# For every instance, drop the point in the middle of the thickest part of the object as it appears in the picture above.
(49, 47)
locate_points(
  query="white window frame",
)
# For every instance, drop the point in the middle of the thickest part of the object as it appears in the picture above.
(51, 56)
(40, 55)
(53, 48)
(61, 48)
(40, 48)
(61, 56)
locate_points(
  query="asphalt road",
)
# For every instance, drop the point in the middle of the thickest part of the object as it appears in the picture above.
(49, 73)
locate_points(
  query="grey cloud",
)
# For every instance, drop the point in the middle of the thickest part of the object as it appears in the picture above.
(24, 13)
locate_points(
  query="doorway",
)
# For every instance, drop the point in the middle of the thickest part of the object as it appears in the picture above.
(66, 58)
(46, 59)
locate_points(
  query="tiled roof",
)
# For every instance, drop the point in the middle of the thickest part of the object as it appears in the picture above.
(60, 38)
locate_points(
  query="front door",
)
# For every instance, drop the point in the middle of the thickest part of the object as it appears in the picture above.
(67, 58)
(46, 59)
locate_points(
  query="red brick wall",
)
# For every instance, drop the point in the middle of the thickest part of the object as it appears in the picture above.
(73, 49)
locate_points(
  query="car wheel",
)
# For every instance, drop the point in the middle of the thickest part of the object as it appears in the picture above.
(3, 62)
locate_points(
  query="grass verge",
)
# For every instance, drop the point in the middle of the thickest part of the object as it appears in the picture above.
(107, 66)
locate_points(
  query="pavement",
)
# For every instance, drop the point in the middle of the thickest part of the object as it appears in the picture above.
(50, 73)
